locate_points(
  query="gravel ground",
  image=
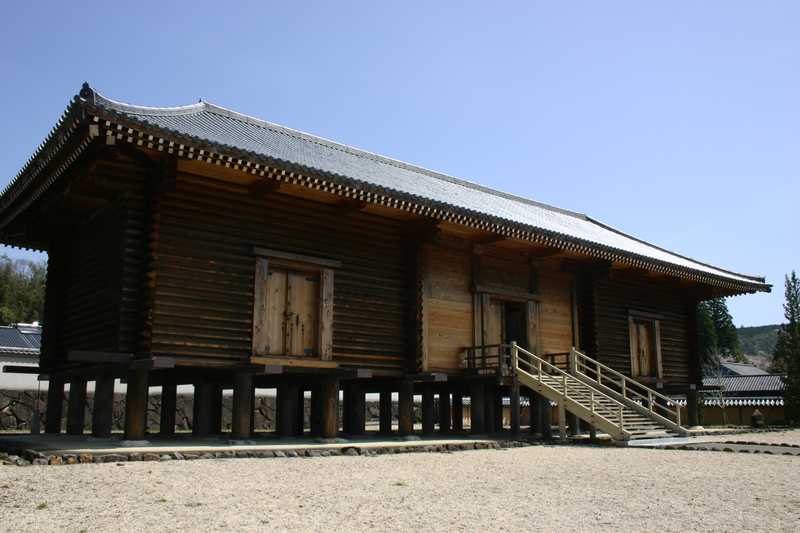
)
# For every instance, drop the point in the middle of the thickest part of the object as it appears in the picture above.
(771, 437)
(522, 489)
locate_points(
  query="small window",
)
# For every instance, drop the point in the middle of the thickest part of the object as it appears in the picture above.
(645, 345)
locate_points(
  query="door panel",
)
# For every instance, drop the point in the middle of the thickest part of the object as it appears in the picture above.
(302, 313)
(276, 312)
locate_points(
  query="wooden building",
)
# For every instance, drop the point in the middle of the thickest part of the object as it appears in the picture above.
(198, 245)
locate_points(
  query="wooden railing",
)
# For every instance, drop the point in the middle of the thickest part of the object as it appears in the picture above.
(627, 388)
(488, 358)
(549, 378)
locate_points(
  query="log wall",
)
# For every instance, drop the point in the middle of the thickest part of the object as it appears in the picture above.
(204, 272)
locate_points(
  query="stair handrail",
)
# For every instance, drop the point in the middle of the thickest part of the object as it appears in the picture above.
(540, 363)
(627, 386)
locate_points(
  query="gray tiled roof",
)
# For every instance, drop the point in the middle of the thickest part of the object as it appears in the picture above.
(742, 369)
(206, 124)
(769, 383)
(20, 339)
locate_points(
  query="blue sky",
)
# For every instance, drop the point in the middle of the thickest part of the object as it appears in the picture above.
(676, 122)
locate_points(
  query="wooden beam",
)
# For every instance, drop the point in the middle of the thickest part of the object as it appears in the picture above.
(329, 405)
(546, 251)
(349, 205)
(20, 369)
(385, 411)
(515, 405)
(264, 186)
(99, 357)
(476, 408)
(297, 258)
(201, 413)
(299, 362)
(458, 411)
(444, 411)
(287, 409)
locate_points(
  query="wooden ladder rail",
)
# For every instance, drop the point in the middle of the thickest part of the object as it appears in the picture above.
(629, 391)
(531, 370)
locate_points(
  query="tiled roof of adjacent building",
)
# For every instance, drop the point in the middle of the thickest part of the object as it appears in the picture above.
(742, 369)
(205, 128)
(770, 384)
(21, 339)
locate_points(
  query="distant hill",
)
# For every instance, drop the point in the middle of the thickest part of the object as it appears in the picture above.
(758, 343)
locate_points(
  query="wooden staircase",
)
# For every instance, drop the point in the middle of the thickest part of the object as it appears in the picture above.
(608, 400)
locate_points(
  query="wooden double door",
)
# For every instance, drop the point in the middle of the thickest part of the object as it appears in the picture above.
(292, 312)
(506, 321)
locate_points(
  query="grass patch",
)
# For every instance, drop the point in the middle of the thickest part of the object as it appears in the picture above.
(42, 506)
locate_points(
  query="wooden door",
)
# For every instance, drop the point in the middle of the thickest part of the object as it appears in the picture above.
(292, 313)
(644, 352)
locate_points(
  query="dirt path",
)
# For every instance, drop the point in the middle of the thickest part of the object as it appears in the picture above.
(538, 488)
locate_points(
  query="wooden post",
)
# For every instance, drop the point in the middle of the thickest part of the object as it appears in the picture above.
(359, 411)
(534, 413)
(201, 409)
(300, 425)
(136, 405)
(315, 419)
(545, 410)
(385, 411)
(103, 407)
(428, 423)
(692, 408)
(498, 409)
(76, 408)
(515, 408)
(55, 405)
(287, 409)
(574, 424)
(347, 408)
(562, 422)
(242, 414)
(216, 409)
(477, 408)
(489, 411)
(169, 397)
(329, 405)
(406, 408)
(444, 411)
(458, 411)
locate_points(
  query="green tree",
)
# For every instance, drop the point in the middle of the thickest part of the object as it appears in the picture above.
(21, 290)
(727, 338)
(707, 339)
(787, 348)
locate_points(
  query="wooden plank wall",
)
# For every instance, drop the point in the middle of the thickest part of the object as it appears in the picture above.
(614, 300)
(205, 270)
(555, 312)
(96, 268)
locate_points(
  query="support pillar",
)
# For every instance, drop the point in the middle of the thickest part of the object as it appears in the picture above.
(562, 422)
(201, 409)
(169, 396)
(358, 410)
(55, 405)
(300, 424)
(216, 410)
(406, 408)
(574, 424)
(329, 406)
(103, 407)
(444, 411)
(428, 422)
(534, 413)
(545, 429)
(515, 407)
(315, 418)
(498, 409)
(477, 408)
(385, 411)
(76, 407)
(287, 409)
(347, 408)
(242, 414)
(136, 405)
(692, 410)
(489, 412)
(458, 411)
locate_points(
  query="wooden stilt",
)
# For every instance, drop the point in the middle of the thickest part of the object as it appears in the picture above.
(477, 408)
(489, 402)
(287, 409)
(498, 409)
(76, 408)
(592, 433)
(329, 405)
(545, 429)
(562, 422)
(242, 415)
(201, 409)
(534, 413)
(169, 396)
(458, 411)
(444, 411)
(427, 410)
(406, 408)
(574, 424)
(55, 405)
(358, 410)
(385, 411)
(300, 424)
(347, 408)
(216, 409)
(691, 408)
(136, 405)
(103, 407)
(515, 407)
(252, 411)
(315, 418)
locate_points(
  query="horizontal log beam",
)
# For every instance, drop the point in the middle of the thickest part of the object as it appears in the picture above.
(99, 357)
